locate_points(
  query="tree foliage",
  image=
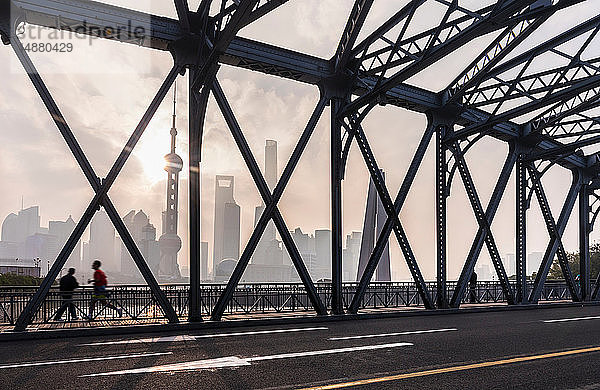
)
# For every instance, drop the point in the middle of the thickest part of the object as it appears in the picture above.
(573, 258)
(10, 279)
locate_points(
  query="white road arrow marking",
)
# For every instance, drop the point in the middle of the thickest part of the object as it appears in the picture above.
(234, 361)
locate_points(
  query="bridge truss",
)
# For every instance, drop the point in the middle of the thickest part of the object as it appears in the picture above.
(488, 98)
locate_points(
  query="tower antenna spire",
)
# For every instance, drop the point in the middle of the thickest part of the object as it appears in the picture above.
(174, 128)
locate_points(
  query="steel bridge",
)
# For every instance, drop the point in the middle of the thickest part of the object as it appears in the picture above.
(488, 98)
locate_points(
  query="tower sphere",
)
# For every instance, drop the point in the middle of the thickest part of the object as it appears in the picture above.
(173, 163)
(170, 243)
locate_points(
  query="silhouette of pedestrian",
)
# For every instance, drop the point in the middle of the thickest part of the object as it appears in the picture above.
(473, 288)
(100, 294)
(68, 284)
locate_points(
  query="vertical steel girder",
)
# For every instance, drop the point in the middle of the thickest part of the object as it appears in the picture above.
(390, 210)
(521, 230)
(555, 231)
(337, 304)
(484, 233)
(389, 223)
(100, 188)
(584, 241)
(271, 211)
(197, 112)
(441, 192)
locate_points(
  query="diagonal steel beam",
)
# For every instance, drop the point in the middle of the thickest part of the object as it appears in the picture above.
(555, 230)
(478, 28)
(383, 238)
(258, 12)
(511, 37)
(390, 210)
(271, 200)
(484, 233)
(359, 13)
(581, 87)
(206, 74)
(101, 189)
(183, 13)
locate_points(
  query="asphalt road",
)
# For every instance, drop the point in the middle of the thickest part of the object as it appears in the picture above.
(499, 350)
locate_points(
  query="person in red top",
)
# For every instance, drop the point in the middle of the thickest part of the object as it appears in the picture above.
(100, 294)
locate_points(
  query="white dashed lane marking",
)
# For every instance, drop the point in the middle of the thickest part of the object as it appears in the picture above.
(82, 360)
(572, 319)
(205, 336)
(369, 336)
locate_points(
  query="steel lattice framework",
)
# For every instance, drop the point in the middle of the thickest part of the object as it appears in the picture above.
(488, 98)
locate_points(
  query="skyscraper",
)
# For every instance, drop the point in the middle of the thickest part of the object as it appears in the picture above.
(226, 241)
(62, 230)
(268, 250)
(144, 235)
(170, 243)
(17, 227)
(322, 269)
(350, 256)
(375, 217)
(102, 242)
(203, 260)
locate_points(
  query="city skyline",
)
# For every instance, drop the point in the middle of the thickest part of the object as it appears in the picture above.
(262, 105)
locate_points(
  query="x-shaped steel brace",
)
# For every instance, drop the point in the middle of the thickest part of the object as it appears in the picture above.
(100, 188)
(555, 231)
(271, 210)
(484, 220)
(393, 221)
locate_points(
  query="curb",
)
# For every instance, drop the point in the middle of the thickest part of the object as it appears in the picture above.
(137, 329)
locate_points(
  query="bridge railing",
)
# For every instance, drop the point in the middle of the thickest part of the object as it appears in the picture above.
(138, 305)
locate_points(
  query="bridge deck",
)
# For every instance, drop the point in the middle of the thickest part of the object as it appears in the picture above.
(531, 349)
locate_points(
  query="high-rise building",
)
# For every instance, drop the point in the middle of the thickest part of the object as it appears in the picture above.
(170, 243)
(322, 268)
(203, 260)
(350, 256)
(17, 227)
(534, 260)
(226, 241)
(62, 230)
(102, 242)
(144, 236)
(510, 264)
(375, 217)
(268, 251)
(10, 228)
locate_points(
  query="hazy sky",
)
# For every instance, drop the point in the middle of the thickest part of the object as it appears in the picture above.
(104, 87)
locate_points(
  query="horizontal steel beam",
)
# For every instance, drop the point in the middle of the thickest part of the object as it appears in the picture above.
(246, 53)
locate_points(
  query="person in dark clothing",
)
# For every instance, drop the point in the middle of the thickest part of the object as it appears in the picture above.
(473, 288)
(68, 284)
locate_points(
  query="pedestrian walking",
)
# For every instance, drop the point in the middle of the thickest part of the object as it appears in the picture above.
(100, 294)
(68, 284)
(473, 288)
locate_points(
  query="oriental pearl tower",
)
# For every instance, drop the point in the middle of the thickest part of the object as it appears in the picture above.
(169, 242)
